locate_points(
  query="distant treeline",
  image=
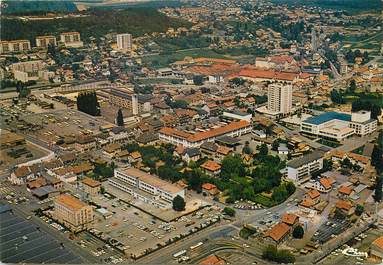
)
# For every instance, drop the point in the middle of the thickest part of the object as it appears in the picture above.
(352, 6)
(23, 7)
(97, 24)
(148, 4)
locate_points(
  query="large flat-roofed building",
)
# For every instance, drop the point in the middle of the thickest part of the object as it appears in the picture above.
(124, 42)
(300, 169)
(72, 212)
(15, 46)
(71, 39)
(177, 137)
(136, 103)
(146, 187)
(44, 41)
(279, 98)
(339, 126)
(237, 115)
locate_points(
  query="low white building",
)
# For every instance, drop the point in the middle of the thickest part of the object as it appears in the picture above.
(146, 187)
(300, 169)
(339, 126)
(237, 115)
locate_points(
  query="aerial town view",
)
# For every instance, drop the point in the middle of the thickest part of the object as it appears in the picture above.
(191, 131)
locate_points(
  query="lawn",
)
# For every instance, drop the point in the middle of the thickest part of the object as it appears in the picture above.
(259, 198)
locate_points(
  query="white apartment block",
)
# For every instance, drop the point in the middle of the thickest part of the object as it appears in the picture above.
(124, 42)
(44, 41)
(300, 169)
(339, 126)
(146, 187)
(279, 98)
(71, 39)
(15, 46)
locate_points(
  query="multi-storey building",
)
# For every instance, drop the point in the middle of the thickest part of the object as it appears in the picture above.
(71, 39)
(124, 42)
(300, 169)
(186, 139)
(339, 126)
(44, 41)
(136, 103)
(74, 213)
(279, 98)
(146, 187)
(15, 46)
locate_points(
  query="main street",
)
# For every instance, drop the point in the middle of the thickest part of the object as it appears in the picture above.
(224, 230)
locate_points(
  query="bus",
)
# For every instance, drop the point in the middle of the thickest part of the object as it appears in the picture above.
(179, 254)
(196, 246)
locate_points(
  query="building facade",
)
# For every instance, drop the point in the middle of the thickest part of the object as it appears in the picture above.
(74, 213)
(300, 169)
(44, 41)
(146, 187)
(124, 42)
(136, 103)
(177, 137)
(279, 98)
(71, 39)
(339, 126)
(15, 46)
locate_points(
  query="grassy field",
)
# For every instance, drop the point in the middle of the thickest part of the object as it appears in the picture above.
(370, 43)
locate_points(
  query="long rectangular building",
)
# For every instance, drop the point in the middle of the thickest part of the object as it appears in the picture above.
(300, 169)
(177, 137)
(146, 187)
(339, 126)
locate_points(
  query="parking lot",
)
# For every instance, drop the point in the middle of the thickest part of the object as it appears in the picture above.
(330, 229)
(135, 232)
(62, 123)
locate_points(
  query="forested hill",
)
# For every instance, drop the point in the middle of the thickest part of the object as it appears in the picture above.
(96, 24)
(32, 6)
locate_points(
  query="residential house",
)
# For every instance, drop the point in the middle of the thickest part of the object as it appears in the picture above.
(344, 191)
(376, 248)
(191, 154)
(344, 206)
(20, 175)
(91, 186)
(211, 168)
(209, 189)
(290, 219)
(278, 233)
(135, 157)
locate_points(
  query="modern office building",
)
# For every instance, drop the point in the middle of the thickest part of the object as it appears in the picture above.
(71, 39)
(15, 46)
(146, 187)
(74, 213)
(124, 42)
(44, 41)
(279, 99)
(300, 169)
(339, 126)
(186, 139)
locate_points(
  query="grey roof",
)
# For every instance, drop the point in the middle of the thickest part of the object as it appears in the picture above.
(192, 152)
(21, 242)
(298, 162)
(209, 146)
(228, 139)
(43, 191)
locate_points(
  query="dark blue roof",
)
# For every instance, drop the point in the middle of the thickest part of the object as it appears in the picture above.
(325, 117)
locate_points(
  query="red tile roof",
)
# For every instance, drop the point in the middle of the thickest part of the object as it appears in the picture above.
(278, 231)
(211, 166)
(289, 219)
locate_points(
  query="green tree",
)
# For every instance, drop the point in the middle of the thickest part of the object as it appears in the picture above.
(120, 118)
(229, 211)
(87, 102)
(280, 194)
(263, 150)
(298, 232)
(178, 203)
(232, 166)
(378, 189)
(359, 209)
(352, 86)
(377, 158)
(198, 80)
